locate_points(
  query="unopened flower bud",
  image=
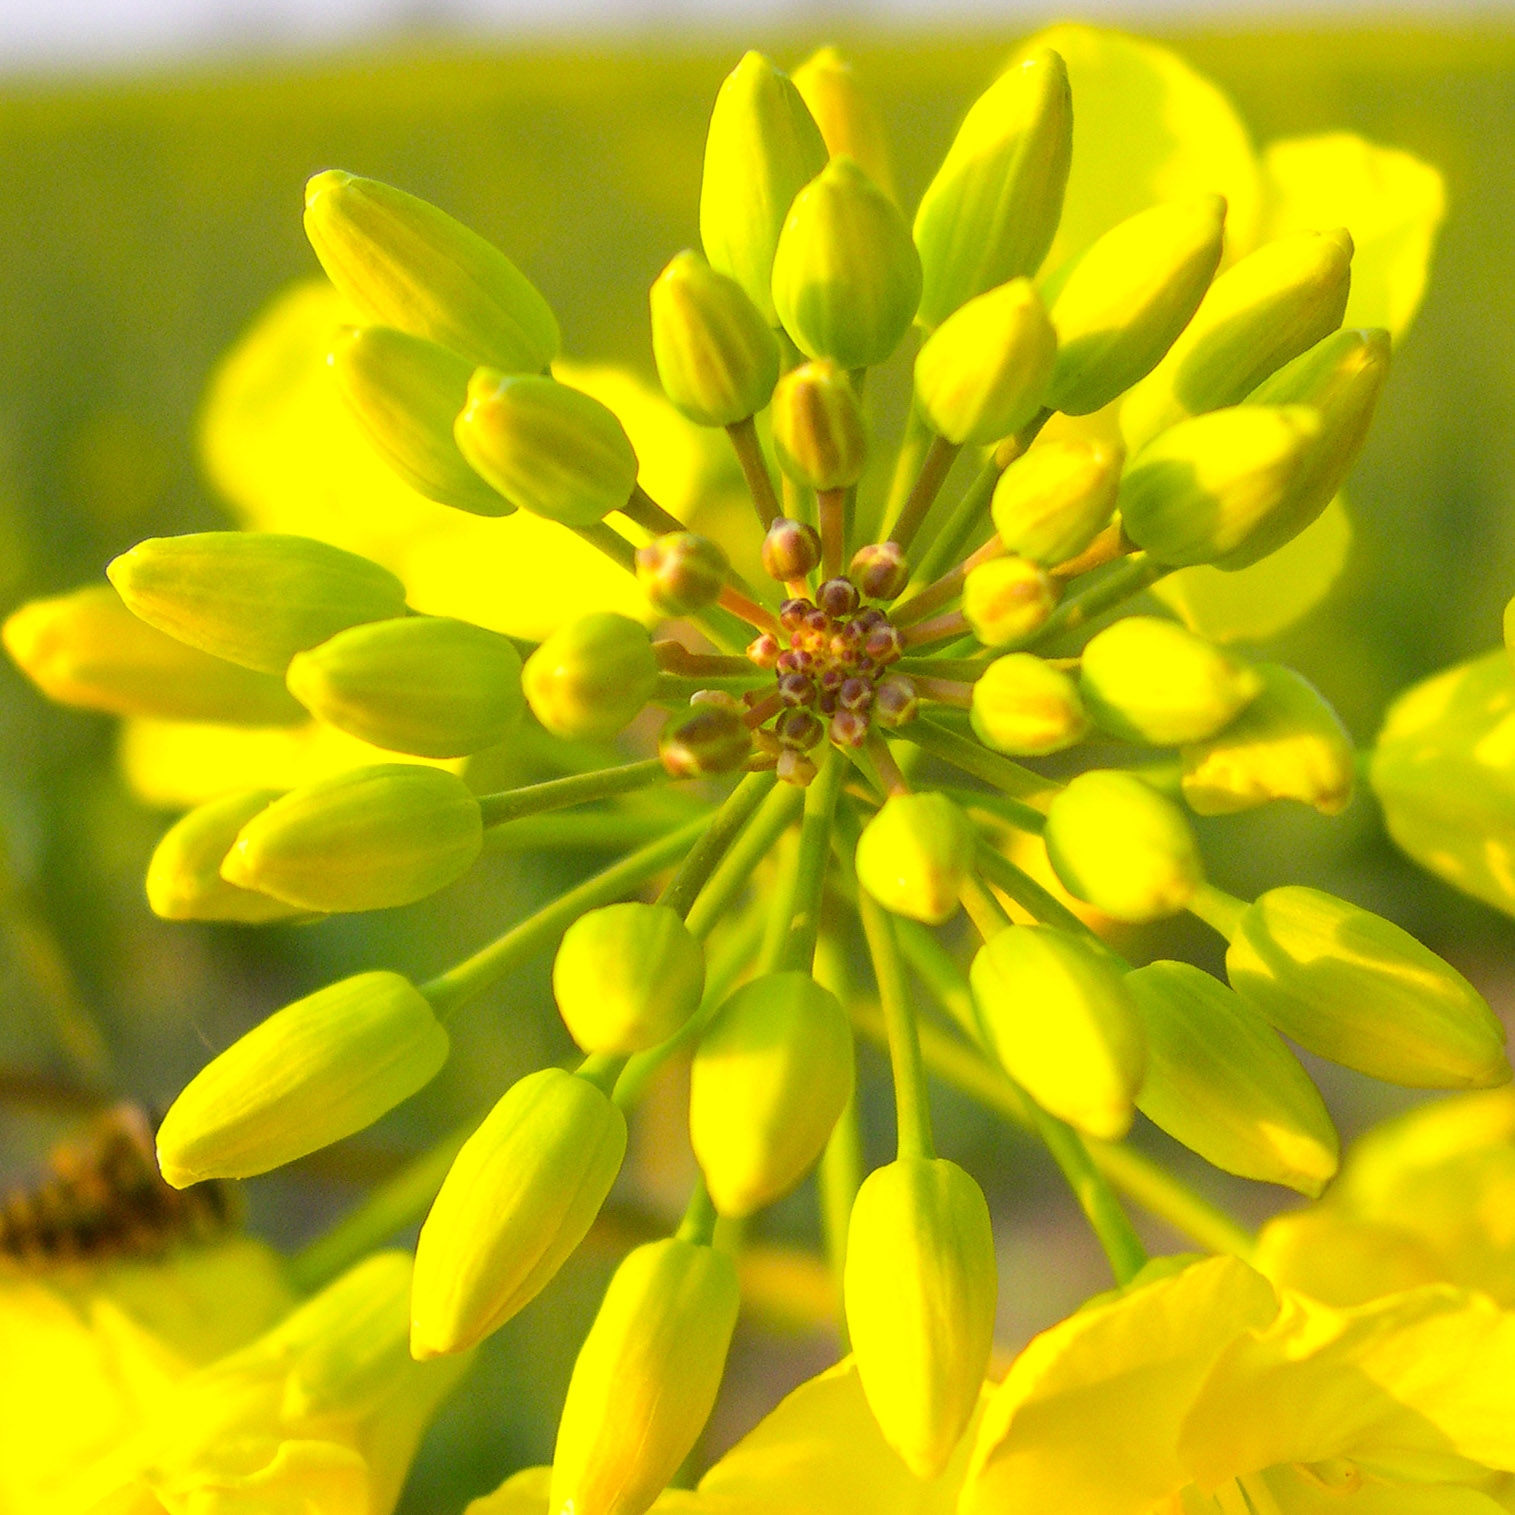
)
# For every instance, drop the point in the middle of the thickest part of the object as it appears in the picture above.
(791, 549)
(896, 700)
(879, 570)
(1052, 501)
(765, 650)
(849, 728)
(818, 428)
(682, 572)
(847, 118)
(705, 740)
(799, 730)
(837, 597)
(795, 768)
(914, 856)
(592, 676)
(1023, 705)
(1007, 599)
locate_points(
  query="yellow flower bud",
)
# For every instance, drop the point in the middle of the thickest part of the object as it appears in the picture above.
(360, 840)
(1023, 705)
(1052, 501)
(919, 1287)
(771, 1076)
(1007, 600)
(317, 1070)
(848, 121)
(254, 598)
(914, 856)
(819, 432)
(517, 1201)
(592, 676)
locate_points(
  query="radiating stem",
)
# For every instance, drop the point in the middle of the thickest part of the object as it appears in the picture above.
(698, 1224)
(594, 831)
(803, 901)
(674, 657)
(999, 772)
(939, 459)
(907, 464)
(947, 588)
(966, 517)
(1217, 909)
(951, 623)
(774, 816)
(832, 507)
(724, 826)
(944, 691)
(1137, 573)
(1028, 894)
(892, 780)
(533, 799)
(1110, 544)
(649, 515)
(749, 453)
(911, 1103)
(838, 1179)
(967, 669)
(748, 609)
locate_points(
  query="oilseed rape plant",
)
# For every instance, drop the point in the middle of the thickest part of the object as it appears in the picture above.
(938, 716)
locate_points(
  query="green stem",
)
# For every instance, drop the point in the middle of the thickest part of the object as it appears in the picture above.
(912, 1106)
(698, 1224)
(749, 454)
(736, 869)
(1137, 573)
(649, 515)
(1001, 806)
(695, 871)
(940, 457)
(533, 799)
(593, 831)
(1030, 895)
(959, 526)
(838, 1179)
(998, 772)
(803, 898)
(1217, 909)
(907, 464)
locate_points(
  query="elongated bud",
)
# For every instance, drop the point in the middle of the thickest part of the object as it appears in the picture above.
(1357, 989)
(317, 1070)
(626, 977)
(361, 840)
(645, 1380)
(681, 572)
(1063, 1025)
(1288, 744)
(549, 449)
(846, 116)
(716, 353)
(516, 1203)
(1008, 599)
(406, 393)
(1053, 500)
(1220, 1081)
(1023, 705)
(406, 264)
(592, 676)
(982, 374)
(87, 649)
(704, 740)
(992, 210)
(818, 428)
(791, 549)
(919, 1287)
(1123, 304)
(1151, 680)
(914, 856)
(1119, 845)
(1208, 490)
(426, 685)
(772, 1074)
(1262, 312)
(253, 598)
(846, 276)
(880, 570)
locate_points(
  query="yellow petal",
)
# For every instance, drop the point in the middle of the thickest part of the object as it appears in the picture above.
(1297, 1491)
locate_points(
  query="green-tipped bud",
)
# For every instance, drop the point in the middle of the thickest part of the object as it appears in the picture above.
(547, 448)
(919, 1288)
(818, 428)
(706, 739)
(592, 676)
(87, 649)
(422, 684)
(791, 549)
(1053, 500)
(1220, 1080)
(1209, 490)
(1288, 744)
(406, 264)
(880, 570)
(1260, 314)
(1119, 845)
(317, 1070)
(681, 572)
(1008, 599)
(1150, 680)
(627, 977)
(1124, 302)
(1358, 990)
(848, 119)
(1057, 1013)
(515, 1204)
(717, 356)
(406, 393)
(645, 1379)
(982, 374)
(914, 856)
(846, 276)
(361, 840)
(1023, 705)
(762, 149)
(254, 598)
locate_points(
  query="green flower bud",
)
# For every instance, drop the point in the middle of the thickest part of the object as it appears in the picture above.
(422, 684)
(1119, 845)
(791, 549)
(627, 977)
(848, 121)
(991, 211)
(1150, 680)
(517, 1201)
(317, 1070)
(681, 572)
(1207, 491)
(982, 373)
(406, 264)
(914, 856)
(706, 739)
(1220, 1080)
(1358, 990)
(919, 1288)
(547, 448)
(252, 597)
(762, 149)
(646, 1378)
(1056, 1010)
(1261, 313)
(592, 676)
(360, 840)
(846, 276)
(769, 1080)
(1023, 705)
(406, 393)
(1006, 600)
(1053, 500)
(1124, 302)
(87, 649)
(1288, 744)
(717, 356)
(818, 428)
